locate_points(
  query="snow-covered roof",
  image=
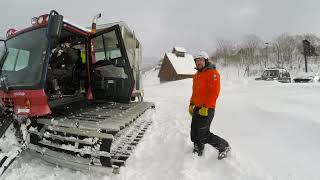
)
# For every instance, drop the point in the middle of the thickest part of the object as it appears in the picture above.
(275, 69)
(182, 65)
(180, 49)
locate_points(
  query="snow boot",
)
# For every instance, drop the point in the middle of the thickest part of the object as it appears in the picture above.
(224, 154)
(195, 148)
(200, 152)
(198, 148)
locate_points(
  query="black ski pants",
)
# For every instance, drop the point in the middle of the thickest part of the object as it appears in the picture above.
(200, 131)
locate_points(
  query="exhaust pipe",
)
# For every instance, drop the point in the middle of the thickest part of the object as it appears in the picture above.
(94, 23)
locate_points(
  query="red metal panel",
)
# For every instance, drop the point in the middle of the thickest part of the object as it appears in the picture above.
(17, 100)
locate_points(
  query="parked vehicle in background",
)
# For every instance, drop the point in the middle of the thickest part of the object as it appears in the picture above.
(274, 74)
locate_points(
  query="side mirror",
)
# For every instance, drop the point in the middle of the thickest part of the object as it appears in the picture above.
(55, 26)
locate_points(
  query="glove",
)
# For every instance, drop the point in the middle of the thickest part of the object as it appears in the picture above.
(191, 106)
(203, 111)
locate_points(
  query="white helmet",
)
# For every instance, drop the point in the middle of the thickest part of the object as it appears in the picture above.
(202, 54)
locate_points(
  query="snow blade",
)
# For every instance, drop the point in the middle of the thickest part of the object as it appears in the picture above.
(4, 124)
(8, 158)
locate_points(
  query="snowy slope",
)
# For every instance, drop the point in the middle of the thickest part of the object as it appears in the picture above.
(273, 129)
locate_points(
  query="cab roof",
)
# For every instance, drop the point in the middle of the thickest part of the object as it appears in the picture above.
(279, 69)
(122, 25)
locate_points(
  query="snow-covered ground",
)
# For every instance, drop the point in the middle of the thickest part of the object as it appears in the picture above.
(273, 129)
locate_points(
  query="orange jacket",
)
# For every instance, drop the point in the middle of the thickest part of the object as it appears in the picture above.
(206, 88)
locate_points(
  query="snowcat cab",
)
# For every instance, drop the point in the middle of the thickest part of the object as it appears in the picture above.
(72, 86)
(271, 74)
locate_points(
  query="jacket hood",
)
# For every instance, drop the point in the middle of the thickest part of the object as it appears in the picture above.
(209, 66)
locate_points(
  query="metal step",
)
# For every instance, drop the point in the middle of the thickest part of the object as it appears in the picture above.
(92, 152)
(63, 156)
(95, 119)
(99, 120)
(79, 124)
(72, 162)
(64, 138)
(81, 132)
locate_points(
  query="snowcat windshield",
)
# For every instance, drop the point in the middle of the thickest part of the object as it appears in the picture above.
(271, 73)
(22, 64)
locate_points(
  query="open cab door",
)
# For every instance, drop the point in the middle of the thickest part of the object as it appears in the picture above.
(3, 52)
(111, 74)
(3, 48)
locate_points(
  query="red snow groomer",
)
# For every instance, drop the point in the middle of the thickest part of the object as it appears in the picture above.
(74, 95)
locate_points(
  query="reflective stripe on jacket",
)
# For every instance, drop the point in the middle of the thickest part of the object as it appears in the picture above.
(205, 88)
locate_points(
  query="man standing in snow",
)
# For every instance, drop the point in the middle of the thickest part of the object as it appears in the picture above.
(205, 91)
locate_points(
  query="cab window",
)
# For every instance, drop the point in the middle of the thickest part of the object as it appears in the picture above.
(21, 60)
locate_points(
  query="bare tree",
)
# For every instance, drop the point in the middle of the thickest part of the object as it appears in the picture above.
(251, 51)
(287, 46)
(225, 50)
(252, 54)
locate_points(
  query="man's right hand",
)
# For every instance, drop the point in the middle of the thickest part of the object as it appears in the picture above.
(191, 107)
(203, 111)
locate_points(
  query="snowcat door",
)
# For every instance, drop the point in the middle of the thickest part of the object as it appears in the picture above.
(3, 53)
(3, 48)
(111, 76)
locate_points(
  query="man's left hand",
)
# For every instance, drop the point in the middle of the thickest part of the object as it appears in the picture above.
(191, 107)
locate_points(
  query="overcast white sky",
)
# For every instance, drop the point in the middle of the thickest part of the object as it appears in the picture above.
(161, 24)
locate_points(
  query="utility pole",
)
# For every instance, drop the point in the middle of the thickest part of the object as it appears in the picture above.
(267, 56)
(306, 51)
(278, 52)
(305, 62)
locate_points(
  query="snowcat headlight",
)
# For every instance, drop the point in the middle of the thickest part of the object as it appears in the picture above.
(11, 32)
(40, 20)
(43, 19)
